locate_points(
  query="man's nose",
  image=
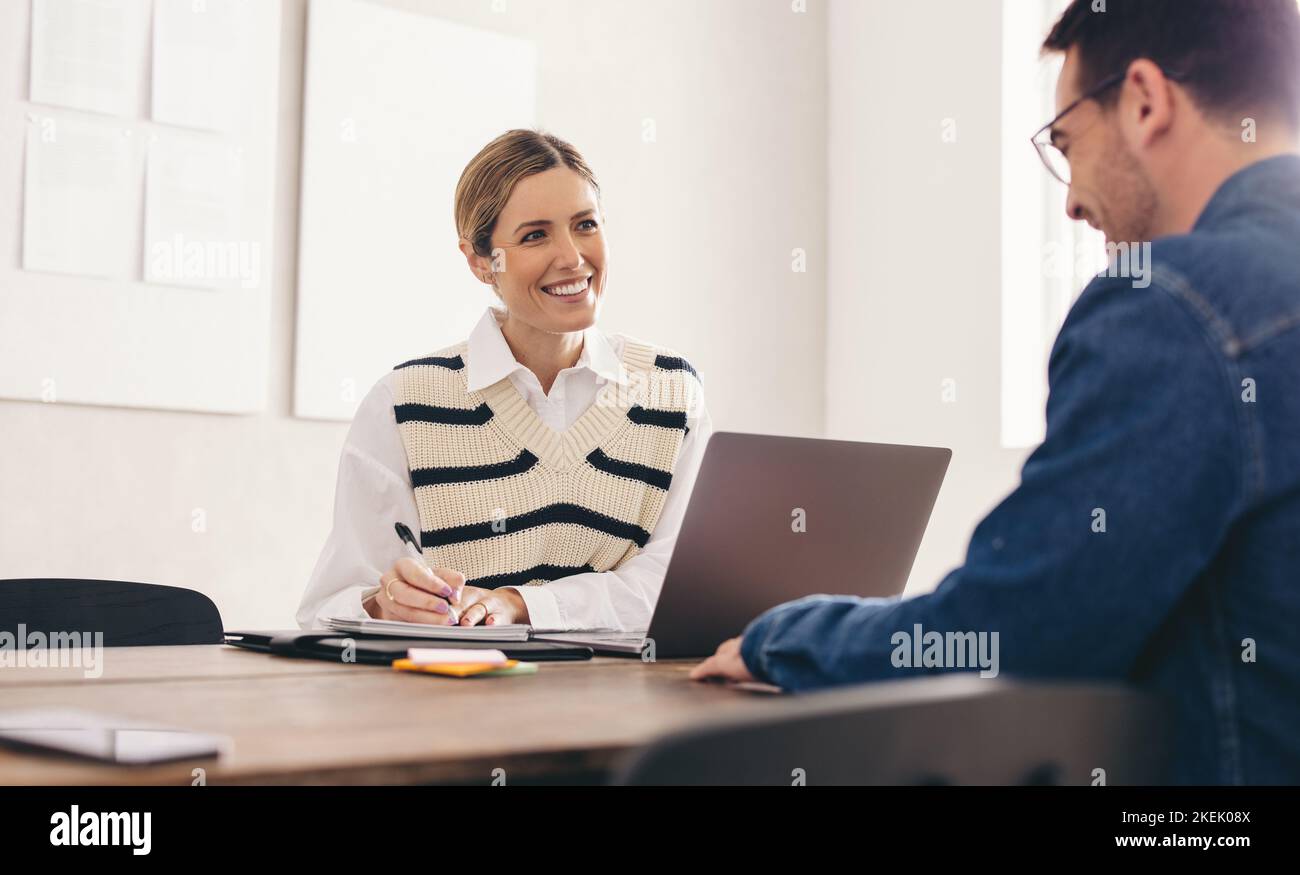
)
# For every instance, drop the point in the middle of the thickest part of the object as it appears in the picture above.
(1073, 208)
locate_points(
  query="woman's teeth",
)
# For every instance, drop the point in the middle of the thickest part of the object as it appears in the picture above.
(566, 291)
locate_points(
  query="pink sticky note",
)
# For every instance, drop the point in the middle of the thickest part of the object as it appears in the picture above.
(453, 656)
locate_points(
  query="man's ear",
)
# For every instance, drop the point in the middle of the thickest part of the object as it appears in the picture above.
(478, 265)
(1147, 104)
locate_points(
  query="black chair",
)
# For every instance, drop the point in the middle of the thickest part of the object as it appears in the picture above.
(128, 614)
(947, 729)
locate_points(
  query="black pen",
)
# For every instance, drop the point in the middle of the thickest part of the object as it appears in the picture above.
(404, 533)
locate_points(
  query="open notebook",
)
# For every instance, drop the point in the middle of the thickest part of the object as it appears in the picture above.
(402, 629)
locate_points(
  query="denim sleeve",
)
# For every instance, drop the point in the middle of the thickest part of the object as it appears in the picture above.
(1126, 501)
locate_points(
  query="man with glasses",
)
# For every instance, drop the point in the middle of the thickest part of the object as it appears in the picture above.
(1155, 535)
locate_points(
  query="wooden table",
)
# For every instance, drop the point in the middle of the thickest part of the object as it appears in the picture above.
(295, 721)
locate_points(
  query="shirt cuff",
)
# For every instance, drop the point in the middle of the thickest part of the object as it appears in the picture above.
(543, 608)
(345, 604)
(751, 645)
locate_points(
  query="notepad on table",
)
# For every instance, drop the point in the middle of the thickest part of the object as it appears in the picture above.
(402, 629)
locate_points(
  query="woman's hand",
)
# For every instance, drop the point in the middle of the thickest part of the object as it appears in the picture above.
(491, 606)
(415, 593)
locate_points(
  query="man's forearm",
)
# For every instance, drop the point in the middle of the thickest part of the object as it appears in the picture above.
(821, 641)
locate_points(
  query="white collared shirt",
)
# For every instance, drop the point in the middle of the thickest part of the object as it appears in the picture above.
(374, 492)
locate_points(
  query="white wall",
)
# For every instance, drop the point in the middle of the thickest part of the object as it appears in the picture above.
(701, 223)
(755, 107)
(914, 261)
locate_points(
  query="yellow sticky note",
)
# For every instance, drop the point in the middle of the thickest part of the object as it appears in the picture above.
(454, 669)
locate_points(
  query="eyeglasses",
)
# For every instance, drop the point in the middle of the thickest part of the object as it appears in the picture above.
(1052, 157)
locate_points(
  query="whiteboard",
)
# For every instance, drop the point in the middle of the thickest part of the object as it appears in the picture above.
(117, 340)
(396, 105)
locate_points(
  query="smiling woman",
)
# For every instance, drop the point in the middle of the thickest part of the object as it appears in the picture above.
(528, 212)
(546, 465)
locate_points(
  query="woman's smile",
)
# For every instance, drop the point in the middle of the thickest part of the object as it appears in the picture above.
(573, 289)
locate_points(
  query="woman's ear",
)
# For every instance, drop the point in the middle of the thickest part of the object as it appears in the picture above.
(478, 265)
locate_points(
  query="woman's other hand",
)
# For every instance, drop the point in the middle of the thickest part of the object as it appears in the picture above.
(491, 606)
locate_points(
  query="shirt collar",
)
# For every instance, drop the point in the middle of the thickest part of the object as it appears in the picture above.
(1272, 180)
(490, 358)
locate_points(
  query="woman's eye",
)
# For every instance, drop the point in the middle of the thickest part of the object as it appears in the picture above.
(528, 238)
(588, 222)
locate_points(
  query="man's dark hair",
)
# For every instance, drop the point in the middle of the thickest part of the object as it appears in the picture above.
(1241, 58)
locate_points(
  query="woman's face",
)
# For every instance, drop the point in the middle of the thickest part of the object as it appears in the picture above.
(551, 259)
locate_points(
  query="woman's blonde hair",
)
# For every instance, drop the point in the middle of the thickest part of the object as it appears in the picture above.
(487, 181)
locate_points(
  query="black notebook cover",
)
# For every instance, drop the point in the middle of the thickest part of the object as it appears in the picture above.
(382, 651)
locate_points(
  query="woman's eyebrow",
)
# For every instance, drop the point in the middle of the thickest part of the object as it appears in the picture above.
(548, 221)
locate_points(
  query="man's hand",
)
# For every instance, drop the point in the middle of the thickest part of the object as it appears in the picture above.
(725, 664)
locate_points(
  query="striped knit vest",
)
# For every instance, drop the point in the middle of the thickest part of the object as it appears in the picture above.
(507, 501)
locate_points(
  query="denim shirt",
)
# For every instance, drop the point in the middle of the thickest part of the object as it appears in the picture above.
(1155, 535)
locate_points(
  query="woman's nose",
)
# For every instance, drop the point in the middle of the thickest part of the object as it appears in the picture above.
(569, 255)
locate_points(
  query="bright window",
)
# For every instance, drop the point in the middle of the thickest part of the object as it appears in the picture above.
(1046, 258)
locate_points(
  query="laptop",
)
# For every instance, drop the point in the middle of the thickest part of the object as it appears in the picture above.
(775, 518)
